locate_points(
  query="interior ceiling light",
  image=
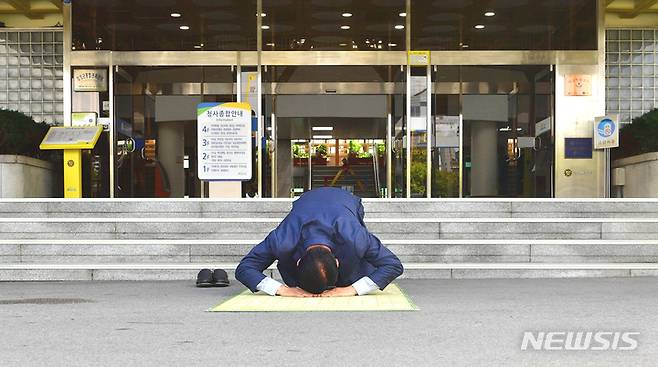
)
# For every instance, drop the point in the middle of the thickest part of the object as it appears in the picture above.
(197, 46)
(347, 15)
(464, 46)
(184, 27)
(399, 26)
(263, 15)
(344, 27)
(322, 128)
(392, 44)
(403, 14)
(265, 27)
(270, 44)
(489, 13)
(342, 44)
(175, 15)
(322, 137)
(479, 26)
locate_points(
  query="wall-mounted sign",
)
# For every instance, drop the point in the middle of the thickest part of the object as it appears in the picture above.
(84, 119)
(224, 141)
(577, 148)
(418, 58)
(606, 132)
(90, 80)
(578, 85)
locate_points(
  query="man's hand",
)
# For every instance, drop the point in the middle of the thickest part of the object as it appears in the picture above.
(340, 292)
(285, 291)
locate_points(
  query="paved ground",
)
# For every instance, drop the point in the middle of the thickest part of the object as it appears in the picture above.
(461, 323)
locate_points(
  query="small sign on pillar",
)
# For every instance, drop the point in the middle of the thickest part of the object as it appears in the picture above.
(606, 132)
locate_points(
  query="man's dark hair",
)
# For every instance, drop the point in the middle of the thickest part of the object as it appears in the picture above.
(317, 270)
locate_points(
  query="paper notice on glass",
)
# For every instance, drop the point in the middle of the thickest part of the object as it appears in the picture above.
(224, 141)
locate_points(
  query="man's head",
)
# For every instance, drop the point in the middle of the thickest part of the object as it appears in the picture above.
(317, 269)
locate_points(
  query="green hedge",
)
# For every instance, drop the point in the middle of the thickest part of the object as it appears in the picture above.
(639, 137)
(20, 134)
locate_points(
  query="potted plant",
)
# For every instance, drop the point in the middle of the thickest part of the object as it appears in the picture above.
(25, 170)
(299, 156)
(320, 157)
(356, 155)
(637, 156)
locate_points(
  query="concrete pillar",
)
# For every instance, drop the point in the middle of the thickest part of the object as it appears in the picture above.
(284, 168)
(484, 159)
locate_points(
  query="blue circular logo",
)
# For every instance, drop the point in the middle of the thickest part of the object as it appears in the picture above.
(606, 128)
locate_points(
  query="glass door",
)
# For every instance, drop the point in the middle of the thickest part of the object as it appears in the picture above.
(446, 131)
(330, 126)
(543, 96)
(155, 124)
(398, 133)
(507, 130)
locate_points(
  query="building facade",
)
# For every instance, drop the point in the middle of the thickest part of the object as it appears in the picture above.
(385, 98)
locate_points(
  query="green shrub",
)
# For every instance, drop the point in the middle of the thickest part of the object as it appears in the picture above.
(21, 135)
(297, 152)
(639, 137)
(354, 147)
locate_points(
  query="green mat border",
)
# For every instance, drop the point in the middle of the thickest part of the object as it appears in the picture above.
(414, 307)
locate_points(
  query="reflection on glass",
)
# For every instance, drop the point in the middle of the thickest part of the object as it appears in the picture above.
(126, 25)
(508, 131)
(418, 127)
(446, 132)
(342, 112)
(399, 138)
(514, 25)
(155, 119)
(364, 25)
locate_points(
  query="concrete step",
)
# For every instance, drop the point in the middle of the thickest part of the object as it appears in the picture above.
(436, 238)
(385, 228)
(67, 251)
(188, 271)
(401, 208)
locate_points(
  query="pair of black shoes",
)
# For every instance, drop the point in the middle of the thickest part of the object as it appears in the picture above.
(212, 278)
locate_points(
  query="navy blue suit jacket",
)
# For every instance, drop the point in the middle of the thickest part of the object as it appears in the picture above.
(328, 216)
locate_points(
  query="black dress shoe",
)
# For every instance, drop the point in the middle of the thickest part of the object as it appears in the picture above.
(220, 278)
(205, 279)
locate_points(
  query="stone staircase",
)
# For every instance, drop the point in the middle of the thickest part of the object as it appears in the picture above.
(145, 239)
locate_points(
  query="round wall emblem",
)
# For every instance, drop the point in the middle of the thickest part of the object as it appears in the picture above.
(568, 172)
(606, 128)
(70, 163)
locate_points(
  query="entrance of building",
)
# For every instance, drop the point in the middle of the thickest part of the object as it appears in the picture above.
(376, 130)
(156, 130)
(330, 126)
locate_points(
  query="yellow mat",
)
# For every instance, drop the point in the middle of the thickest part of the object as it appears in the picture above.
(390, 299)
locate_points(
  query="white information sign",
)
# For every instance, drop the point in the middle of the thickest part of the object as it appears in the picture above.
(606, 132)
(90, 80)
(224, 141)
